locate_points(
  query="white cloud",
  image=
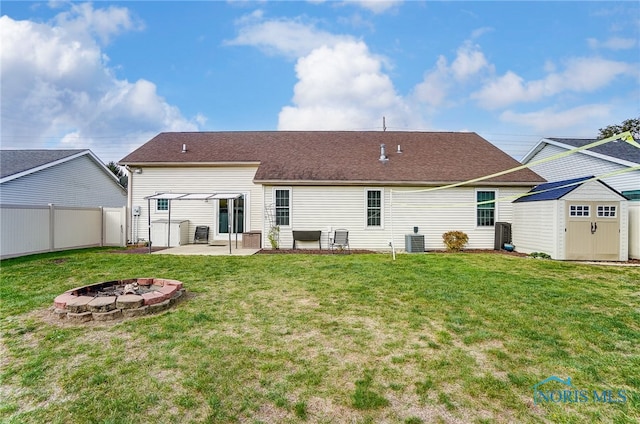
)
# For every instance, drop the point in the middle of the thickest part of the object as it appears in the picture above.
(105, 23)
(434, 87)
(287, 37)
(375, 6)
(343, 87)
(614, 43)
(581, 75)
(436, 84)
(469, 61)
(550, 120)
(57, 87)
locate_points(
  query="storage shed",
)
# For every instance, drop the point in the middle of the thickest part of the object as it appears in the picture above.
(577, 219)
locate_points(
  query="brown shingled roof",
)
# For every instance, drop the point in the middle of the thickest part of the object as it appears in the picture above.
(339, 156)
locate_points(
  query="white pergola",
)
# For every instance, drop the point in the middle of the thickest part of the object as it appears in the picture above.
(192, 196)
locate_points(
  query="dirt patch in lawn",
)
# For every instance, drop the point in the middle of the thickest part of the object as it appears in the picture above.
(137, 250)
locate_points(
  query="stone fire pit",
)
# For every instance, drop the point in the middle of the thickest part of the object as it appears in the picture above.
(116, 299)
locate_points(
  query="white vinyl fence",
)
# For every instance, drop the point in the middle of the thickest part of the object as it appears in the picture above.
(25, 230)
(634, 230)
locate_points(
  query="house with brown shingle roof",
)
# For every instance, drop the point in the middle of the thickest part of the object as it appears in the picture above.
(378, 185)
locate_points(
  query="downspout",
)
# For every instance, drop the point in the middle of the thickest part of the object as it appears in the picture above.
(129, 214)
(169, 225)
(149, 222)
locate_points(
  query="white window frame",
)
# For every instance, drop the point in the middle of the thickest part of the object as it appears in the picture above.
(366, 208)
(609, 210)
(495, 207)
(582, 210)
(158, 210)
(275, 207)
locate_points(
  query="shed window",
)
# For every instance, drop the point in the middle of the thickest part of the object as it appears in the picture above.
(162, 205)
(486, 208)
(579, 210)
(283, 206)
(606, 211)
(374, 208)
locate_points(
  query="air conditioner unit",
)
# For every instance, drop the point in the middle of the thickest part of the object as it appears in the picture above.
(414, 243)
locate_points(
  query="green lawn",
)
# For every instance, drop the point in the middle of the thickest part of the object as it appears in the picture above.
(324, 339)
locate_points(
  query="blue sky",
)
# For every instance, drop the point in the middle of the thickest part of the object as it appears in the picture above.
(110, 75)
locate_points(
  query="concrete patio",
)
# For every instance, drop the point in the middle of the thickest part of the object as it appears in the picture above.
(217, 249)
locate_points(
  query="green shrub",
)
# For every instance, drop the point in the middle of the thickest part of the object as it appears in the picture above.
(455, 240)
(539, 255)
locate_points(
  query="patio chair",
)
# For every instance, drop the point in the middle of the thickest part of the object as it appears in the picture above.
(340, 241)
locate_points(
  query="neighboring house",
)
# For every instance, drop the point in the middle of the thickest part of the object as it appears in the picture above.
(369, 183)
(608, 158)
(577, 219)
(74, 178)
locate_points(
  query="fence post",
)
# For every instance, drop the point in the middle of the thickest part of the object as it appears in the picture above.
(52, 223)
(102, 226)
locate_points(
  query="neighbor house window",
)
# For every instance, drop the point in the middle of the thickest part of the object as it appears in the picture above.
(579, 210)
(606, 211)
(162, 205)
(486, 208)
(374, 208)
(283, 206)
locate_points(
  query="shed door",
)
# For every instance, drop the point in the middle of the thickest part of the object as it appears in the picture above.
(593, 231)
(607, 235)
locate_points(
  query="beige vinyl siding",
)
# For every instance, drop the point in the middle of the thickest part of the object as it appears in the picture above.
(582, 165)
(236, 179)
(436, 212)
(327, 208)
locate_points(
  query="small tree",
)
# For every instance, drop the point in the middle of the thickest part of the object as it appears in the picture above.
(117, 171)
(455, 240)
(274, 236)
(631, 125)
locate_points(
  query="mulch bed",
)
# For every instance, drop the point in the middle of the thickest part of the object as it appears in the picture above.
(137, 250)
(312, 251)
(143, 250)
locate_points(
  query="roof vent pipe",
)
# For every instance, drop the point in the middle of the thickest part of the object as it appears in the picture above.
(399, 149)
(383, 154)
(184, 148)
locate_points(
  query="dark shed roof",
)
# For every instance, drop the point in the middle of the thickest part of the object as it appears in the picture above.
(552, 191)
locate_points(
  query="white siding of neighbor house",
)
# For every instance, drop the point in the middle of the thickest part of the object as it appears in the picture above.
(231, 179)
(327, 208)
(582, 165)
(76, 183)
(634, 230)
